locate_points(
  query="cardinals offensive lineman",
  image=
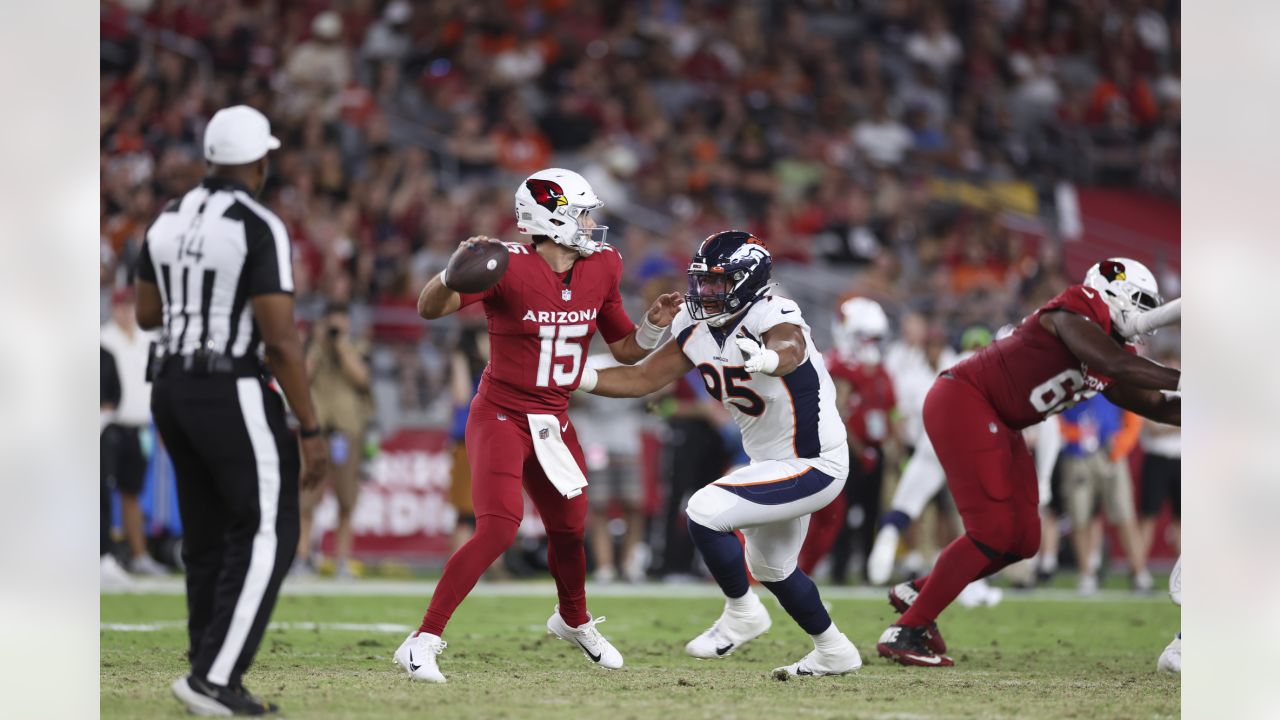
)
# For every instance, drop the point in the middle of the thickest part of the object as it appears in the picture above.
(974, 414)
(555, 294)
(755, 356)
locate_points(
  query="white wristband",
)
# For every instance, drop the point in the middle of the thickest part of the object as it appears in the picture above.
(648, 334)
(768, 361)
(444, 280)
(589, 378)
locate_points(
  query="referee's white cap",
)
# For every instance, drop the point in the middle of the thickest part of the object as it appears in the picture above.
(238, 135)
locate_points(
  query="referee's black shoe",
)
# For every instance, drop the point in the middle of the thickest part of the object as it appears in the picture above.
(205, 698)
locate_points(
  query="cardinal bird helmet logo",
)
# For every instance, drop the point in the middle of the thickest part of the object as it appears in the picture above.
(546, 193)
(1112, 270)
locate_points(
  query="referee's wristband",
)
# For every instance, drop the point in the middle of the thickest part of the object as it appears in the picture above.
(648, 334)
(308, 434)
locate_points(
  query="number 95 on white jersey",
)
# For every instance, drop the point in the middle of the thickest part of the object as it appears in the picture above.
(793, 416)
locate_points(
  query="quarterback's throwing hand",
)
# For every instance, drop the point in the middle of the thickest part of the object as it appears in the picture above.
(756, 358)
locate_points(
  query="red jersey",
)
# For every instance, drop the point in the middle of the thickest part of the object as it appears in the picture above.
(1030, 374)
(541, 323)
(871, 399)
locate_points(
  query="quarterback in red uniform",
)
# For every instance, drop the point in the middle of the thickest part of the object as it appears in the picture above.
(556, 293)
(864, 395)
(974, 414)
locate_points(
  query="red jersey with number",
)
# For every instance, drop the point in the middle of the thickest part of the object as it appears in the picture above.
(871, 400)
(1030, 374)
(540, 324)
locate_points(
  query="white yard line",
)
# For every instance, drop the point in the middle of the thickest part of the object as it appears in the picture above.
(176, 624)
(545, 588)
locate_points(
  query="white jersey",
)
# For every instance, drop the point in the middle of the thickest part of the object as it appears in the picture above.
(793, 416)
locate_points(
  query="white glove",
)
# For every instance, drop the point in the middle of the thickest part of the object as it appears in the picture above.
(756, 358)
(1127, 325)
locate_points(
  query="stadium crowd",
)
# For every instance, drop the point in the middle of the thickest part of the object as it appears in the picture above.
(902, 150)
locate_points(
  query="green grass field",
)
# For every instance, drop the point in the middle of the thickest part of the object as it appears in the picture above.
(1023, 659)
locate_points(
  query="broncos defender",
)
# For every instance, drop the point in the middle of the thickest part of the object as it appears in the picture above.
(755, 356)
(555, 294)
(1066, 351)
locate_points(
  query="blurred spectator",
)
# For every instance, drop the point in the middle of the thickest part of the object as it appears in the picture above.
(128, 441)
(318, 70)
(1097, 439)
(113, 574)
(338, 367)
(1161, 476)
(610, 433)
(884, 140)
(934, 45)
(693, 455)
(467, 364)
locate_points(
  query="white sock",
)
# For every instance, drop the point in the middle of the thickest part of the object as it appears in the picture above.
(743, 605)
(829, 640)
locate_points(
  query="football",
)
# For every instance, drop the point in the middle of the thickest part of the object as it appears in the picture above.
(476, 267)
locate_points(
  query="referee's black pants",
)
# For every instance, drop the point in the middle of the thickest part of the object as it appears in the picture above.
(237, 475)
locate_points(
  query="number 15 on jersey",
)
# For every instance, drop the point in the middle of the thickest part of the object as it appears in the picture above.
(560, 357)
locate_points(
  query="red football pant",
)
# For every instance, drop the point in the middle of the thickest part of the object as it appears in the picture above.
(500, 451)
(824, 526)
(993, 480)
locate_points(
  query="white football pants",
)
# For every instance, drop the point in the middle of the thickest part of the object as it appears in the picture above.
(770, 502)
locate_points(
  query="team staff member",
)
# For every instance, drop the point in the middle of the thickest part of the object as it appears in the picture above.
(215, 272)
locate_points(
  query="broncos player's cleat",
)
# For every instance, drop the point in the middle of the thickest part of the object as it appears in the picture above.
(417, 655)
(731, 631)
(845, 658)
(1171, 658)
(911, 646)
(588, 639)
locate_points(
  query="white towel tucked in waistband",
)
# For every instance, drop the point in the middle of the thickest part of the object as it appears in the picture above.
(554, 456)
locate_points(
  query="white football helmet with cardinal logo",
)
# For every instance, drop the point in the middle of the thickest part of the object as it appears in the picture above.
(552, 202)
(1125, 285)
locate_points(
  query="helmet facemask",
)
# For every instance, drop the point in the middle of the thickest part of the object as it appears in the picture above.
(710, 295)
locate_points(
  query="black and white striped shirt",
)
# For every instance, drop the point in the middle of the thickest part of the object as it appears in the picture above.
(209, 252)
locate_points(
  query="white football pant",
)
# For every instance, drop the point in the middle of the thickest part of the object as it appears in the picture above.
(770, 502)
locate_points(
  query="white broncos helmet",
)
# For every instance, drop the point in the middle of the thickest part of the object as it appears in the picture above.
(551, 201)
(1125, 285)
(860, 330)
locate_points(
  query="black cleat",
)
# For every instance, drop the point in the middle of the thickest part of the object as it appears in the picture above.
(204, 698)
(901, 597)
(909, 645)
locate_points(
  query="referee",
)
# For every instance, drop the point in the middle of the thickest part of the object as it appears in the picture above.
(215, 273)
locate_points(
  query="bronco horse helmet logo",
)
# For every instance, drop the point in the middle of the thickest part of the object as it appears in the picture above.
(546, 193)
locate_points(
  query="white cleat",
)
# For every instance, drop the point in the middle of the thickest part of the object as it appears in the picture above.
(113, 575)
(980, 593)
(587, 638)
(880, 562)
(818, 663)
(146, 565)
(417, 655)
(731, 631)
(1171, 658)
